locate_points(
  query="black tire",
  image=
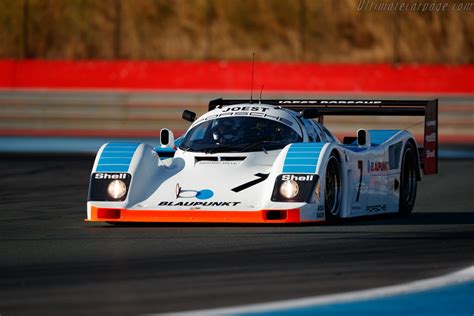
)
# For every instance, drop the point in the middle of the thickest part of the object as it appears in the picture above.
(333, 190)
(408, 180)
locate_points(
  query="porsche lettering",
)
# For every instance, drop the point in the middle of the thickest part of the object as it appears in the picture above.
(329, 102)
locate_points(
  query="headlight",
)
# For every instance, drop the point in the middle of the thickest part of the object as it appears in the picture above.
(289, 189)
(117, 189)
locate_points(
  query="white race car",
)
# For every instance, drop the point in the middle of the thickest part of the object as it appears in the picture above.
(266, 162)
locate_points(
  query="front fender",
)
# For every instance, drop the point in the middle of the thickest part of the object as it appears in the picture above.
(139, 162)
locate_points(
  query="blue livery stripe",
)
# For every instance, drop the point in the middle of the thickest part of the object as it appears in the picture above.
(301, 161)
(301, 155)
(114, 161)
(116, 157)
(304, 150)
(165, 149)
(119, 149)
(112, 168)
(299, 169)
(302, 158)
(378, 137)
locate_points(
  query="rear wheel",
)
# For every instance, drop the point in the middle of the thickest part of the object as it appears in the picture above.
(408, 181)
(333, 189)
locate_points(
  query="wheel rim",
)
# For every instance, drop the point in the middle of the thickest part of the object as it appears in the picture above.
(409, 178)
(333, 187)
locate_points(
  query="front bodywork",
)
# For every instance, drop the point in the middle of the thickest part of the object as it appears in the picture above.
(197, 187)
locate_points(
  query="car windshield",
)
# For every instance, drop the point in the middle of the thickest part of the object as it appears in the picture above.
(239, 134)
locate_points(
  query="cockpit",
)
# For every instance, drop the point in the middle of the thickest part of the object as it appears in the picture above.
(239, 134)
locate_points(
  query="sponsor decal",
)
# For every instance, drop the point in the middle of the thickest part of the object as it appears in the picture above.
(245, 108)
(376, 166)
(320, 215)
(110, 176)
(430, 123)
(376, 208)
(329, 102)
(430, 154)
(308, 177)
(430, 138)
(190, 194)
(209, 203)
(320, 207)
(261, 177)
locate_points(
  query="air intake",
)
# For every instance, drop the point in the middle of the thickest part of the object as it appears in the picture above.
(198, 159)
(232, 158)
(218, 158)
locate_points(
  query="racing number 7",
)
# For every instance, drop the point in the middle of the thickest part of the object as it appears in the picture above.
(360, 165)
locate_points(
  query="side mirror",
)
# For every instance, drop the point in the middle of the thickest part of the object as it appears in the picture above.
(363, 138)
(189, 115)
(166, 138)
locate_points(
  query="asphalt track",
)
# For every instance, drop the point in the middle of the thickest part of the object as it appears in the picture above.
(53, 263)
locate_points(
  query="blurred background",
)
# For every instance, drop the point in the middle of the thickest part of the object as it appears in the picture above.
(80, 72)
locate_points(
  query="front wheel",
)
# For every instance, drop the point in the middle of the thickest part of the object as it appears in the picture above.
(408, 181)
(333, 189)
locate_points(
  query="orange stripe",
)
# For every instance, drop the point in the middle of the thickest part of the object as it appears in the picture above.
(193, 216)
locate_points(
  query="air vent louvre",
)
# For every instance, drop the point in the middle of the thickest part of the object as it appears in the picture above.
(206, 159)
(233, 158)
(221, 158)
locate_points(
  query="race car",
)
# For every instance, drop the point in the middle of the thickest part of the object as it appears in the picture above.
(271, 161)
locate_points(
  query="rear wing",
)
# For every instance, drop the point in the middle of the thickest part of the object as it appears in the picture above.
(320, 108)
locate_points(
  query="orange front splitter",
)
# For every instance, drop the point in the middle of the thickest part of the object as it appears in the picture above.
(99, 214)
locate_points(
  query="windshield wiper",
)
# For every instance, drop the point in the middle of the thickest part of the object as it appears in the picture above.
(220, 149)
(235, 147)
(259, 143)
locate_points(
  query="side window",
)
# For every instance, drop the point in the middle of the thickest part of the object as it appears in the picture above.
(317, 129)
(198, 133)
(312, 132)
(328, 134)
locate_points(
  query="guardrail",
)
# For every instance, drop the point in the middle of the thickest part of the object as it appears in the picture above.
(133, 114)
